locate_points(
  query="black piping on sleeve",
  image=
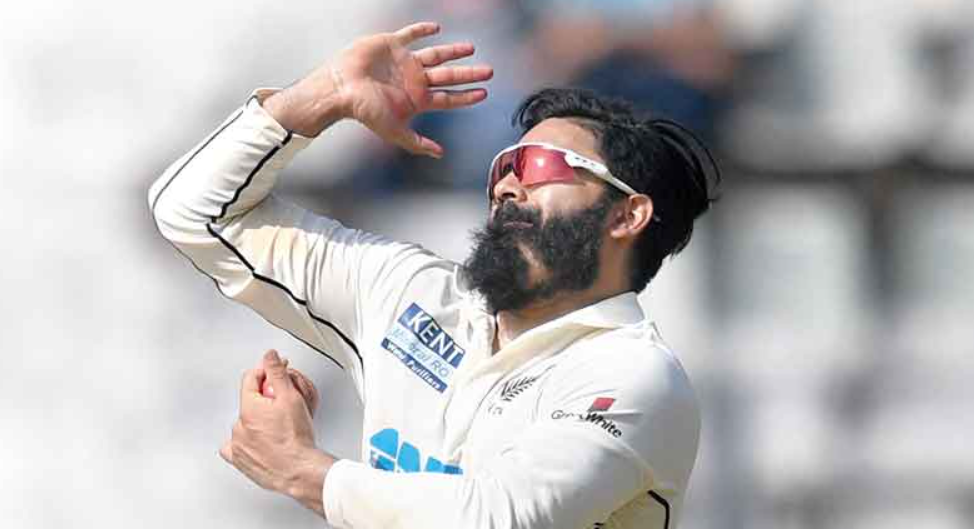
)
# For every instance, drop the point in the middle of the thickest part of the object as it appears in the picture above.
(223, 210)
(192, 156)
(303, 303)
(666, 508)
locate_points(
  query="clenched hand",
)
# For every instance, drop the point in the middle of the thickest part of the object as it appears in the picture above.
(273, 440)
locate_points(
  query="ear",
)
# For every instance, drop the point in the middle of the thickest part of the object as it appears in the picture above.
(632, 217)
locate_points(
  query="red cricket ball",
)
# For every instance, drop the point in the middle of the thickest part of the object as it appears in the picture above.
(266, 389)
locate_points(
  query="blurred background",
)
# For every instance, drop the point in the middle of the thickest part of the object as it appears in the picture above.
(824, 308)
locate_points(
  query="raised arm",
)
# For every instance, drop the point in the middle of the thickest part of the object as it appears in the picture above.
(305, 273)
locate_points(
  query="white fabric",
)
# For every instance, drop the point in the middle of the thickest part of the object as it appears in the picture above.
(585, 421)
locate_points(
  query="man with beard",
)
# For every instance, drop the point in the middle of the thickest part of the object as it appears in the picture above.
(523, 389)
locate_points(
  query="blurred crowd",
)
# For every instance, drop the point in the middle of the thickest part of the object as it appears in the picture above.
(779, 86)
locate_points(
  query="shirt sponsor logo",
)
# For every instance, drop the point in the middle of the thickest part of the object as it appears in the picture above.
(419, 342)
(601, 404)
(593, 415)
(386, 452)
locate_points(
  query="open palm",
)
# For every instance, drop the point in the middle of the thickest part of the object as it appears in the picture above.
(387, 84)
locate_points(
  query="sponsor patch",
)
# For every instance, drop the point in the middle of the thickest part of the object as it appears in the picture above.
(387, 452)
(419, 342)
(594, 415)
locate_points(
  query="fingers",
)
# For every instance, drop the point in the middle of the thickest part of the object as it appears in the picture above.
(266, 388)
(416, 143)
(276, 370)
(266, 380)
(454, 75)
(416, 31)
(449, 99)
(301, 382)
(250, 384)
(437, 55)
(307, 389)
(226, 452)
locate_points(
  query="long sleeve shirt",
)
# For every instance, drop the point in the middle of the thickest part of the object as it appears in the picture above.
(585, 421)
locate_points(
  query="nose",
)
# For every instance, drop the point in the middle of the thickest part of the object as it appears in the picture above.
(508, 188)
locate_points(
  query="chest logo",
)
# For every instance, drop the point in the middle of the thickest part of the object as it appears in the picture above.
(419, 342)
(514, 387)
(511, 389)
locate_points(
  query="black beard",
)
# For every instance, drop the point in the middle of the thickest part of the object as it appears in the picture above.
(566, 246)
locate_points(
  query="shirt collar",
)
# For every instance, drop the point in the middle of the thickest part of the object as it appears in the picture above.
(610, 313)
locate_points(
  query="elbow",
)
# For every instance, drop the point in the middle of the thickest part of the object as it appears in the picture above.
(157, 206)
(160, 211)
(174, 220)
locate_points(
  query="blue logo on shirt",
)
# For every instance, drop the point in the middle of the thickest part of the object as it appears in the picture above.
(387, 453)
(419, 342)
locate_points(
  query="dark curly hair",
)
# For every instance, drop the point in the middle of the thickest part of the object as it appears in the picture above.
(657, 157)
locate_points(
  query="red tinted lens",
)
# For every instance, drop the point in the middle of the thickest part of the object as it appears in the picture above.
(539, 165)
(532, 164)
(502, 167)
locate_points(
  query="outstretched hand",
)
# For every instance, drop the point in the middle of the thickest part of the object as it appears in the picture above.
(388, 84)
(383, 84)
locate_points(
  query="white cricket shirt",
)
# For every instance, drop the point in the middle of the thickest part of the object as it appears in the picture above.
(585, 421)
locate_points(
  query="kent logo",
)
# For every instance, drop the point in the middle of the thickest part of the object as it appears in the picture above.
(418, 341)
(431, 335)
(388, 453)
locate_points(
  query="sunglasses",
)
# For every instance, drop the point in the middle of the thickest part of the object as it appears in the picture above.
(538, 163)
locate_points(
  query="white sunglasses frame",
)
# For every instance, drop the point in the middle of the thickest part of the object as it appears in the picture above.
(572, 158)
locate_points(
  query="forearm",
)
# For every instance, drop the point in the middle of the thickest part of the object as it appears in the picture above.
(532, 487)
(214, 205)
(227, 174)
(241, 159)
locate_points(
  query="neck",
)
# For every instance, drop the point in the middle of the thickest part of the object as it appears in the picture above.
(513, 323)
